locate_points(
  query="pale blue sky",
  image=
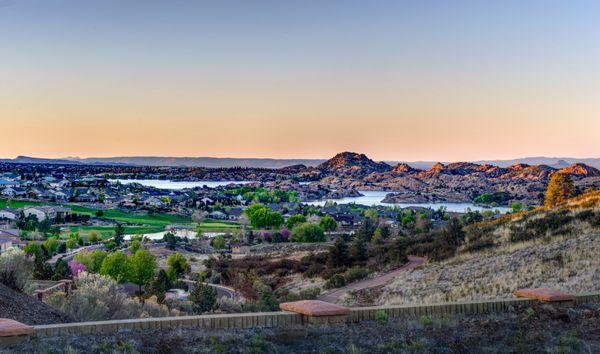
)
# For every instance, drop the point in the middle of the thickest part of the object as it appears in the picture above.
(399, 80)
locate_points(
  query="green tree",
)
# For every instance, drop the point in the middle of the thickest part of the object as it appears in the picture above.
(559, 189)
(142, 266)
(92, 260)
(358, 249)
(61, 270)
(328, 223)
(203, 297)
(177, 266)
(294, 220)
(261, 216)
(93, 237)
(119, 233)
(34, 249)
(115, 265)
(338, 254)
(72, 243)
(135, 246)
(372, 214)
(171, 240)
(160, 285)
(51, 245)
(308, 232)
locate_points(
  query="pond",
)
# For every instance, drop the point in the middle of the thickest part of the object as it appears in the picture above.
(176, 185)
(371, 198)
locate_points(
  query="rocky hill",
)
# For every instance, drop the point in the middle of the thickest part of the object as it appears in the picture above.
(353, 164)
(454, 182)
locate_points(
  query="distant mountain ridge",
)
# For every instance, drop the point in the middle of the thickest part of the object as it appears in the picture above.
(216, 162)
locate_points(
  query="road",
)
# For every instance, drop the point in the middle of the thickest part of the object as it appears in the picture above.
(71, 254)
(222, 291)
(333, 296)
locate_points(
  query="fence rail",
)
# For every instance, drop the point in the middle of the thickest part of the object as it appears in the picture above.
(288, 319)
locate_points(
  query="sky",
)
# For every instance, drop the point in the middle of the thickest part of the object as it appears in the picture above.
(396, 80)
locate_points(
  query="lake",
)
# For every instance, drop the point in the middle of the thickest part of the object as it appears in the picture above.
(371, 198)
(176, 185)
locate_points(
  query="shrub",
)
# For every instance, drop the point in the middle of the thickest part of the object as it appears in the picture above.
(355, 273)
(427, 321)
(16, 270)
(94, 298)
(336, 281)
(381, 316)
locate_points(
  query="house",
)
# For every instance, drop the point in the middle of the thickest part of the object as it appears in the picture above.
(10, 214)
(217, 215)
(47, 211)
(10, 238)
(9, 183)
(239, 248)
(5, 244)
(153, 202)
(13, 192)
(235, 213)
(207, 201)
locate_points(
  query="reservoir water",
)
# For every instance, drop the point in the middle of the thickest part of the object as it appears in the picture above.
(371, 198)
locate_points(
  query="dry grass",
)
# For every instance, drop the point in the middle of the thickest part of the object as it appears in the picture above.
(568, 261)
(570, 264)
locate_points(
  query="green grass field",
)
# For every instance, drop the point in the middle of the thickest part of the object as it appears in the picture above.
(134, 222)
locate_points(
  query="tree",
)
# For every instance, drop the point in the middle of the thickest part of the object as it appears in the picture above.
(294, 220)
(338, 254)
(203, 297)
(51, 245)
(92, 260)
(93, 237)
(453, 233)
(219, 242)
(119, 234)
(178, 266)
(372, 214)
(366, 229)
(328, 223)
(308, 232)
(142, 266)
(72, 243)
(559, 189)
(160, 285)
(198, 217)
(34, 249)
(61, 270)
(135, 246)
(261, 216)
(115, 266)
(171, 240)
(358, 249)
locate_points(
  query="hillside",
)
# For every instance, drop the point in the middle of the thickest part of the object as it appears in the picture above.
(557, 248)
(26, 309)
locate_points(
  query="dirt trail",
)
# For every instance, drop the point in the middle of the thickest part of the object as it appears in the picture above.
(372, 282)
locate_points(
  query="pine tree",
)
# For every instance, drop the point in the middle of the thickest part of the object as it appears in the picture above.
(358, 249)
(338, 254)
